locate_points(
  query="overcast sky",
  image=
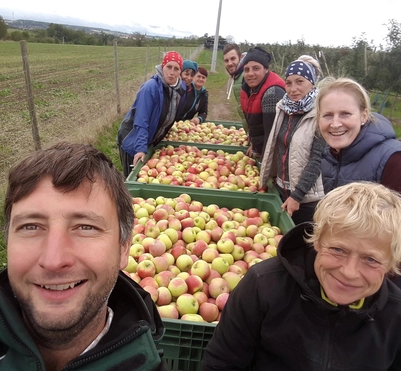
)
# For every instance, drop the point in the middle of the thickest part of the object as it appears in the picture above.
(327, 23)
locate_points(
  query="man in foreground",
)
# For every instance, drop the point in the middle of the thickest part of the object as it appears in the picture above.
(324, 303)
(64, 303)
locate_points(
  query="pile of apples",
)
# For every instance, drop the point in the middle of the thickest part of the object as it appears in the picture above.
(190, 166)
(190, 256)
(208, 132)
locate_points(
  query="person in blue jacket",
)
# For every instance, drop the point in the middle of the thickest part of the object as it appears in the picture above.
(153, 112)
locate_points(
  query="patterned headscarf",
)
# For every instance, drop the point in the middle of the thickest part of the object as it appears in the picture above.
(301, 68)
(172, 57)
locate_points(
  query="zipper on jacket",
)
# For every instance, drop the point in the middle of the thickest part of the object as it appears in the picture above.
(335, 185)
(287, 149)
(12, 334)
(328, 344)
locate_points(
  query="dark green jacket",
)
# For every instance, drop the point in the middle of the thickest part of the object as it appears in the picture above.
(129, 344)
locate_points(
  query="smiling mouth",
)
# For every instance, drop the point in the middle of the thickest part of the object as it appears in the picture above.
(338, 133)
(62, 287)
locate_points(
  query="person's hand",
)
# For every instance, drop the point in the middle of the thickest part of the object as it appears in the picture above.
(137, 157)
(196, 120)
(249, 150)
(290, 205)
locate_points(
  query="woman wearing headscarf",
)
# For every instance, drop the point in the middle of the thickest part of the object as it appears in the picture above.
(294, 150)
(153, 112)
(260, 92)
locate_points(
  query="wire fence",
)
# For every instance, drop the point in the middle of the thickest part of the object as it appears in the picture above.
(67, 92)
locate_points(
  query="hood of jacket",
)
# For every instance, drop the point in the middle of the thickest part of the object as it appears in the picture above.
(298, 258)
(371, 134)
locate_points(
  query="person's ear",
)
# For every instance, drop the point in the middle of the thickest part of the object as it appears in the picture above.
(124, 255)
(316, 246)
(364, 116)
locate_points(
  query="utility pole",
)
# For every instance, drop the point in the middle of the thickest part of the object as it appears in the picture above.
(216, 40)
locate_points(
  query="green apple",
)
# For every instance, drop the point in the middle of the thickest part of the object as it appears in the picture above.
(201, 268)
(232, 279)
(132, 265)
(187, 304)
(220, 265)
(225, 245)
(192, 317)
(184, 262)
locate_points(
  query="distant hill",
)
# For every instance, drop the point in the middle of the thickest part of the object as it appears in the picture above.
(27, 24)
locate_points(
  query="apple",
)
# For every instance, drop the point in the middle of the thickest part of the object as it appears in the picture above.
(250, 255)
(236, 269)
(199, 247)
(187, 304)
(160, 200)
(265, 216)
(141, 213)
(199, 222)
(166, 240)
(172, 234)
(213, 274)
(187, 222)
(252, 230)
(229, 234)
(138, 229)
(220, 265)
(228, 257)
(258, 247)
(211, 224)
(164, 296)
(131, 265)
(209, 254)
(254, 261)
(218, 286)
(201, 269)
(138, 238)
(208, 311)
(242, 264)
(225, 245)
(232, 279)
(160, 214)
(146, 242)
(157, 248)
(135, 277)
(183, 275)
(272, 250)
(161, 264)
(252, 212)
(184, 262)
(189, 235)
(268, 232)
(162, 224)
(163, 278)
(177, 287)
(216, 233)
(169, 257)
(174, 223)
(168, 311)
(178, 250)
(265, 255)
(194, 283)
(260, 238)
(149, 281)
(245, 242)
(201, 296)
(146, 268)
(192, 317)
(151, 230)
(136, 250)
(211, 209)
(221, 300)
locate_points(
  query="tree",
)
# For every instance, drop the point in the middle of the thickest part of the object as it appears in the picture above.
(3, 28)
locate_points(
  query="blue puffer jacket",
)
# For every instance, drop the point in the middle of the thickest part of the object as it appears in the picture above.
(146, 111)
(364, 159)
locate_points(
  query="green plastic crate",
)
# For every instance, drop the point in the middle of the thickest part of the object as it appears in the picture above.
(132, 177)
(230, 199)
(183, 343)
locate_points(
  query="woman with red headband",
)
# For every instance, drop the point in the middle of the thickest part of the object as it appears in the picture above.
(153, 112)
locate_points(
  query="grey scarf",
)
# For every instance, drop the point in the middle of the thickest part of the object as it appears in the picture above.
(304, 105)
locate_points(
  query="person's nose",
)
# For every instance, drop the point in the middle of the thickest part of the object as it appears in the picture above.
(350, 267)
(56, 250)
(335, 122)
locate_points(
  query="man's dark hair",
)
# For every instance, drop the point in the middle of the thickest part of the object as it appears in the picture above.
(69, 165)
(228, 47)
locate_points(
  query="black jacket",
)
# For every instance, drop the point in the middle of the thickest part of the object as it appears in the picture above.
(276, 320)
(128, 345)
(196, 102)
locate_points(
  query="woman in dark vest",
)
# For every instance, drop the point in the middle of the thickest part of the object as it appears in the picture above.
(261, 91)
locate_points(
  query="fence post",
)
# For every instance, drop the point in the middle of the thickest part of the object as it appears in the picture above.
(30, 98)
(116, 73)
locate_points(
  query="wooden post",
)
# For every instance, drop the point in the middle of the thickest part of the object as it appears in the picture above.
(30, 98)
(116, 73)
